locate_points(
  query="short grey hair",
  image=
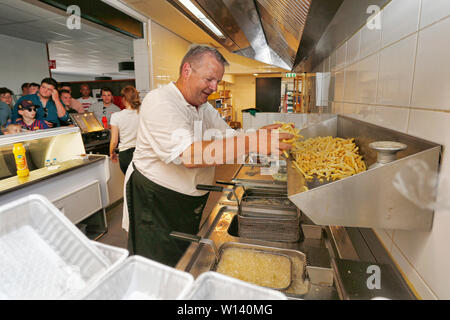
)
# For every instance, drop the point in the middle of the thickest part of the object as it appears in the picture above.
(197, 51)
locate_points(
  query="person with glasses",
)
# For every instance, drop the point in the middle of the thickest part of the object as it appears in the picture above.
(51, 110)
(104, 108)
(28, 121)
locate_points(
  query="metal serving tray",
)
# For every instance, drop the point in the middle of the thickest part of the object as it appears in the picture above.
(367, 199)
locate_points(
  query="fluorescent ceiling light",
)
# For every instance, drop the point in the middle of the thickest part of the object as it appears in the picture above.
(196, 12)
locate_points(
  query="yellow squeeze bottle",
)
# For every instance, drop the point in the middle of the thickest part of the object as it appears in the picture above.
(21, 160)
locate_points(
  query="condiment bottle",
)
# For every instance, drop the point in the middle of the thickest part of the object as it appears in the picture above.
(21, 160)
(105, 122)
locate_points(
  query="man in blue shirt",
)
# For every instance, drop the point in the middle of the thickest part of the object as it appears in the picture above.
(51, 108)
(5, 110)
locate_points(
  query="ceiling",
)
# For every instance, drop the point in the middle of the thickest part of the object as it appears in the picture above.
(92, 50)
(96, 51)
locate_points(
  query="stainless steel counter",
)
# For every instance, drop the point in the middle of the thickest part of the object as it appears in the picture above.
(15, 182)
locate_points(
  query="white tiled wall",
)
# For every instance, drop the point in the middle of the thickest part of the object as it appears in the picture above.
(168, 49)
(399, 77)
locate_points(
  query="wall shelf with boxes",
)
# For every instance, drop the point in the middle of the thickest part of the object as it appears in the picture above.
(222, 101)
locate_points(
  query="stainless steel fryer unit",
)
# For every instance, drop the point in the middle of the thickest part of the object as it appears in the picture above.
(299, 284)
(278, 228)
(368, 199)
(227, 245)
(273, 224)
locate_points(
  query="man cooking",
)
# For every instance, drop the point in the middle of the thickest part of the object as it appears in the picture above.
(161, 190)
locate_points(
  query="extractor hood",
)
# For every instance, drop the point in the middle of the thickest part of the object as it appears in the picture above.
(269, 31)
(291, 34)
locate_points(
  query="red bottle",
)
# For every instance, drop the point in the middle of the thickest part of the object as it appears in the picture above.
(105, 122)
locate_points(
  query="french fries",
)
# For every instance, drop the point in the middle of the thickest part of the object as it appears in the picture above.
(325, 158)
(289, 128)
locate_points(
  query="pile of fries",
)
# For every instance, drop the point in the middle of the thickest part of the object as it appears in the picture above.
(325, 158)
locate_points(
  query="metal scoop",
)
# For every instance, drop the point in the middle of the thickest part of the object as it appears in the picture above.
(196, 239)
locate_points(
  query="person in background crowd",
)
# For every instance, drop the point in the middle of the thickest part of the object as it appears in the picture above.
(67, 99)
(86, 99)
(27, 111)
(74, 103)
(51, 108)
(104, 108)
(5, 109)
(25, 87)
(12, 128)
(33, 88)
(124, 126)
(6, 96)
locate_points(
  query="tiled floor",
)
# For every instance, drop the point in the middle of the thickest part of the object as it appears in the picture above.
(116, 236)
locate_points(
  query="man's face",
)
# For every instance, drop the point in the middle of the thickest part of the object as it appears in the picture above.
(67, 88)
(6, 98)
(202, 80)
(66, 99)
(85, 91)
(33, 90)
(107, 97)
(46, 90)
(25, 91)
(28, 113)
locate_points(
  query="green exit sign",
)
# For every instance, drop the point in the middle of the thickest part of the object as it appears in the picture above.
(291, 75)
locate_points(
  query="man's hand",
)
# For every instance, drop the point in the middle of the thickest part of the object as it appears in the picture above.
(271, 126)
(50, 124)
(114, 156)
(55, 95)
(269, 142)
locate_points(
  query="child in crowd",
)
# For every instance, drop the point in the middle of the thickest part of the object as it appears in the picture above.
(12, 129)
(27, 110)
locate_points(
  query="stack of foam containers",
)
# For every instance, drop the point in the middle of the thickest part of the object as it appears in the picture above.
(215, 286)
(45, 256)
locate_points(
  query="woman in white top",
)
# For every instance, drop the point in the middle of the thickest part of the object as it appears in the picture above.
(124, 125)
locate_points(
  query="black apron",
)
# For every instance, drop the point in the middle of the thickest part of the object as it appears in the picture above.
(154, 212)
(125, 158)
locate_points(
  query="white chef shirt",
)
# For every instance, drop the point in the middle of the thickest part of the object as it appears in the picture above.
(127, 122)
(166, 130)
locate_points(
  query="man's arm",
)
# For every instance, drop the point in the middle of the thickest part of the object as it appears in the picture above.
(202, 154)
(62, 114)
